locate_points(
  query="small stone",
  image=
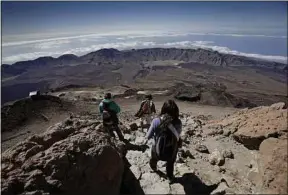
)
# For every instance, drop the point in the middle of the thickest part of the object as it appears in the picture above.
(190, 132)
(185, 153)
(133, 127)
(180, 159)
(227, 133)
(216, 158)
(222, 170)
(221, 189)
(278, 106)
(68, 122)
(202, 148)
(228, 154)
(185, 139)
(140, 140)
(61, 94)
(130, 137)
(216, 132)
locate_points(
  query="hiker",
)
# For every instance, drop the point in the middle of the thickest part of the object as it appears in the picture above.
(109, 110)
(165, 130)
(147, 108)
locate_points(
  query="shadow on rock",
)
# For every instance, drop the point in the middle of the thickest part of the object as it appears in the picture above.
(193, 185)
(130, 146)
(161, 174)
(130, 185)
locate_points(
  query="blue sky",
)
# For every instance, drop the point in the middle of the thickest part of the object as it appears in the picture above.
(43, 17)
(32, 29)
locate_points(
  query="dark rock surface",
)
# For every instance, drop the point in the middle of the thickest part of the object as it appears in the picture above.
(70, 158)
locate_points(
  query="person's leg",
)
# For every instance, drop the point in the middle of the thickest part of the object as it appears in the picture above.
(108, 129)
(119, 133)
(146, 124)
(170, 165)
(141, 123)
(170, 169)
(153, 161)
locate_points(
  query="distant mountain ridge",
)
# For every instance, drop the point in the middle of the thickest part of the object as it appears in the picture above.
(144, 68)
(110, 56)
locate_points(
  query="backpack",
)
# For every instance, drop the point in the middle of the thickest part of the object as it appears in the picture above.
(146, 108)
(166, 142)
(107, 114)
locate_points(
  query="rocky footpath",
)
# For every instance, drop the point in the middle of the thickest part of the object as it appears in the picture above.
(205, 164)
(213, 160)
(78, 157)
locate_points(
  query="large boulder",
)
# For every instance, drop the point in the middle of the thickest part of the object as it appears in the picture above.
(251, 126)
(69, 158)
(260, 123)
(273, 165)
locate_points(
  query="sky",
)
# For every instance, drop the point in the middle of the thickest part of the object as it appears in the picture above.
(34, 29)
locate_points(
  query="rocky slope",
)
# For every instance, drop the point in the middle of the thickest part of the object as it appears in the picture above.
(77, 156)
(16, 113)
(263, 129)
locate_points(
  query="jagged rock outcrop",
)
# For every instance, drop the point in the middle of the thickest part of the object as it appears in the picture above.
(73, 157)
(251, 126)
(210, 94)
(265, 129)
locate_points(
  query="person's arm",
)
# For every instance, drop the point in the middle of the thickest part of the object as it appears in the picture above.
(155, 123)
(101, 107)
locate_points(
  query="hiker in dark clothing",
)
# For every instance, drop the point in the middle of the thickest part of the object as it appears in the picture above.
(165, 131)
(109, 110)
(147, 108)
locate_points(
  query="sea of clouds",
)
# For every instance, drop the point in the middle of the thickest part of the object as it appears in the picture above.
(14, 51)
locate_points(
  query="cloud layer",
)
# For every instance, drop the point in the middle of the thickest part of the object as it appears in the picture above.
(82, 44)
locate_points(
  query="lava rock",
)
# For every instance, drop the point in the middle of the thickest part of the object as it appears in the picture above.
(227, 154)
(202, 148)
(216, 158)
(133, 127)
